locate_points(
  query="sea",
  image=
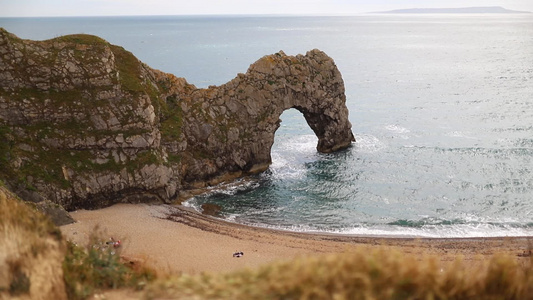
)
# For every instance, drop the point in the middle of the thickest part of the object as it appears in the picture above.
(441, 108)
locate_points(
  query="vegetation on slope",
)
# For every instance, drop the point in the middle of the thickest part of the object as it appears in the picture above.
(98, 267)
(5, 148)
(380, 274)
(30, 251)
(16, 214)
(83, 39)
(32, 265)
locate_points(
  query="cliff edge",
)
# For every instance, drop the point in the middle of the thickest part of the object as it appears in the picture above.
(86, 124)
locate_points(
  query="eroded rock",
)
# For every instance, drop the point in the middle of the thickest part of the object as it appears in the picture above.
(91, 125)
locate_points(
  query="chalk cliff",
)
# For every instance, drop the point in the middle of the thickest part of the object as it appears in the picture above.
(86, 124)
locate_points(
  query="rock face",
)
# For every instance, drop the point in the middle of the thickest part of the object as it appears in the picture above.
(85, 124)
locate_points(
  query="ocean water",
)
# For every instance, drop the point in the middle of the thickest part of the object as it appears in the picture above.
(441, 107)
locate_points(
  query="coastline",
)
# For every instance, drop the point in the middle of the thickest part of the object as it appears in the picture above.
(176, 240)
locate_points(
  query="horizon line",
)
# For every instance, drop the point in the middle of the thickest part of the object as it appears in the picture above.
(400, 11)
(263, 15)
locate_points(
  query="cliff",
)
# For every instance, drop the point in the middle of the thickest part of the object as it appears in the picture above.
(86, 124)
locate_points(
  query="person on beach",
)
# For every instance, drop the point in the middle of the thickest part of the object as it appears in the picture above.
(114, 243)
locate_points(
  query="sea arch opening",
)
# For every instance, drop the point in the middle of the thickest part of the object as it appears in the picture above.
(294, 145)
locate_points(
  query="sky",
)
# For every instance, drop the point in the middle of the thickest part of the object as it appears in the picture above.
(33, 8)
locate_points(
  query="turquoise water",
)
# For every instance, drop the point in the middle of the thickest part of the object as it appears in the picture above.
(441, 107)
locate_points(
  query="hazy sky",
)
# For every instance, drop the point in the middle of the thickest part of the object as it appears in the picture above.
(10, 8)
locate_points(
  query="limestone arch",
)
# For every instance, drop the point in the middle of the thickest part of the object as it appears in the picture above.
(311, 84)
(243, 115)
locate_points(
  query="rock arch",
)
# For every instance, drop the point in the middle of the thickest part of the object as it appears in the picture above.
(244, 114)
(95, 126)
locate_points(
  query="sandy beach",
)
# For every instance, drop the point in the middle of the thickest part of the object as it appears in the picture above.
(174, 240)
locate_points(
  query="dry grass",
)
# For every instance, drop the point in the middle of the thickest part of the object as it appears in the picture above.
(31, 252)
(380, 274)
(14, 212)
(35, 264)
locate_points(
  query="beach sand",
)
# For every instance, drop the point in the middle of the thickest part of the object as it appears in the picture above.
(174, 240)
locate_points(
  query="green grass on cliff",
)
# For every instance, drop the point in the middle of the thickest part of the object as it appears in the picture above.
(56, 98)
(84, 39)
(130, 78)
(171, 118)
(6, 144)
(129, 69)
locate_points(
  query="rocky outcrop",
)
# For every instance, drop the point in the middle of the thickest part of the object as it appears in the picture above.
(85, 124)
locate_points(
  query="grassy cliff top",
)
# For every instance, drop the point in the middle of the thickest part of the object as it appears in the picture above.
(83, 39)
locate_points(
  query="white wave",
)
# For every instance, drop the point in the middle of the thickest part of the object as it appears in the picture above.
(397, 129)
(293, 228)
(231, 188)
(285, 168)
(476, 230)
(191, 203)
(305, 143)
(470, 230)
(290, 155)
(369, 143)
(441, 231)
(232, 217)
(454, 231)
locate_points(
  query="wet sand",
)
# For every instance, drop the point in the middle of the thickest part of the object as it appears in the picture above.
(175, 240)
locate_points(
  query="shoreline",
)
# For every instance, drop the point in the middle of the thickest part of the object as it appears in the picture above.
(176, 240)
(348, 236)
